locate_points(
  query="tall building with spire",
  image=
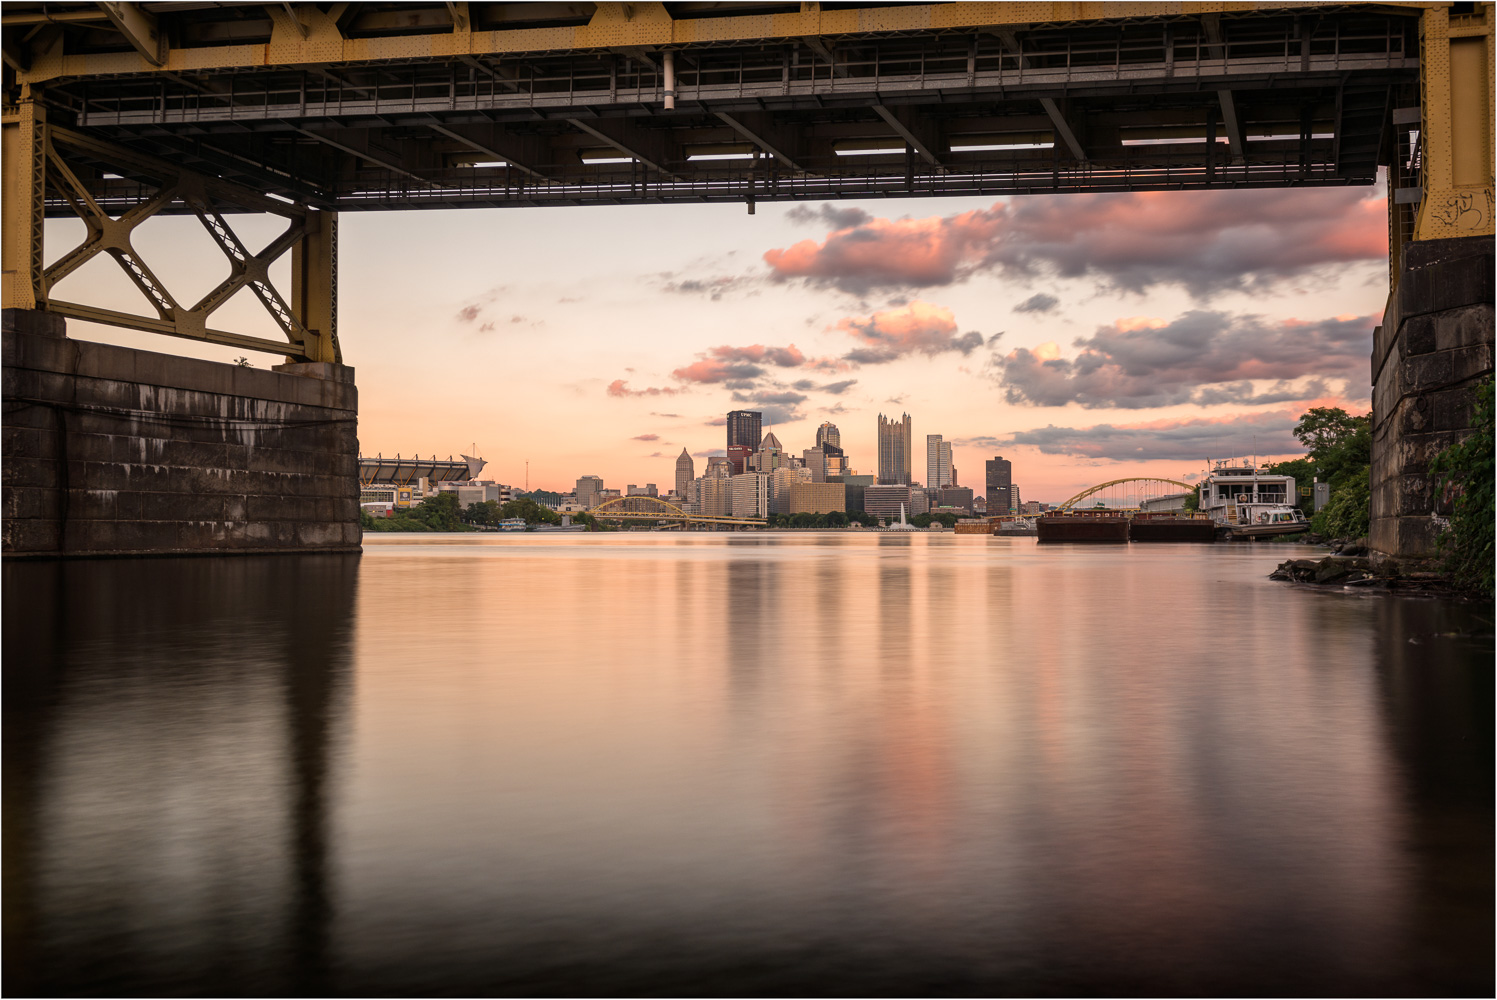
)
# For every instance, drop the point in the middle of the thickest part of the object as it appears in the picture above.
(828, 433)
(894, 437)
(769, 456)
(686, 471)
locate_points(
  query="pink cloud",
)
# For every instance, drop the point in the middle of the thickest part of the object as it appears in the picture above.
(918, 327)
(727, 363)
(1204, 240)
(620, 388)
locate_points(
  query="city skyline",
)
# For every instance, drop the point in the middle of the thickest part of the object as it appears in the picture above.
(1086, 336)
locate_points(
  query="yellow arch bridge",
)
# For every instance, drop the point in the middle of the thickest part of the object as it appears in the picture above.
(1127, 494)
(655, 509)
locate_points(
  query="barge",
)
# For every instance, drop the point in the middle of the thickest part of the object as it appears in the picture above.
(1083, 528)
(1171, 528)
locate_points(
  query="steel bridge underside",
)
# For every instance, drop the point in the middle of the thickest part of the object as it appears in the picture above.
(441, 105)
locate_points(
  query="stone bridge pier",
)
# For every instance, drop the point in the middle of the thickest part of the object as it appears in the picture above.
(1434, 345)
(115, 451)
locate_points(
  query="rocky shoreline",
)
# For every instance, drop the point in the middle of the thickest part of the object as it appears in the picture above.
(1350, 564)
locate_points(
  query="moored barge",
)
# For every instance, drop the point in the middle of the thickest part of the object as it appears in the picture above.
(1083, 528)
(1171, 528)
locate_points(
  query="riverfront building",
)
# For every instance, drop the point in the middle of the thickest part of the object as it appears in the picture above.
(817, 498)
(938, 472)
(894, 437)
(589, 490)
(956, 496)
(885, 499)
(781, 482)
(750, 495)
(715, 496)
(1000, 480)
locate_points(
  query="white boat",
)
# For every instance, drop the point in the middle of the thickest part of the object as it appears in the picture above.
(1246, 502)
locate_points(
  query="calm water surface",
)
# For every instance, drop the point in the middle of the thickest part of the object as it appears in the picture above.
(741, 764)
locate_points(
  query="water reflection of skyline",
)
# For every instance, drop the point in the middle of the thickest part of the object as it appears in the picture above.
(641, 764)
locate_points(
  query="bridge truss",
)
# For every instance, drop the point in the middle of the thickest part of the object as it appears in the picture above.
(119, 112)
(654, 509)
(1125, 494)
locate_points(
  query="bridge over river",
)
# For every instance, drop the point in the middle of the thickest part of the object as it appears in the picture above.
(116, 113)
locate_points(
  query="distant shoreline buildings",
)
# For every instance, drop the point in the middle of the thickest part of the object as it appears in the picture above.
(759, 476)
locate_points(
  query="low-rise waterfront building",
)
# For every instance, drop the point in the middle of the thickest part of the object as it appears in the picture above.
(780, 484)
(806, 497)
(886, 499)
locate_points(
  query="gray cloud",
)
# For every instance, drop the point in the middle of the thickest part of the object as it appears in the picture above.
(835, 388)
(1201, 357)
(1037, 303)
(1266, 434)
(714, 288)
(837, 218)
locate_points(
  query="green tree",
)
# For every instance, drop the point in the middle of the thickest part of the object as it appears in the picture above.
(1464, 475)
(1340, 453)
(528, 510)
(1339, 444)
(1347, 515)
(439, 513)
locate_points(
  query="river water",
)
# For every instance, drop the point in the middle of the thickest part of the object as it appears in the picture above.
(768, 763)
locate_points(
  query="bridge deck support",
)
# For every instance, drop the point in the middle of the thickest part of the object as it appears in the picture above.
(115, 451)
(1434, 344)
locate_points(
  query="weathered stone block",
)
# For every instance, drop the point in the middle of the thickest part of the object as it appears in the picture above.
(1435, 342)
(31, 323)
(181, 507)
(30, 502)
(168, 454)
(32, 536)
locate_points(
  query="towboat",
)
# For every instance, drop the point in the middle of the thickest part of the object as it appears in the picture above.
(1247, 502)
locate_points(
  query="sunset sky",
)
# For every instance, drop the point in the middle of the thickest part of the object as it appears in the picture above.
(1084, 337)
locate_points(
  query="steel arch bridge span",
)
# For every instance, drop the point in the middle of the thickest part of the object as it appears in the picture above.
(655, 509)
(1101, 487)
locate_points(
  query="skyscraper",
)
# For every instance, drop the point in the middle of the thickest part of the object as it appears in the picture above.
(937, 462)
(894, 438)
(828, 433)
(1000, 481)
(745, 427)
(745, 430)
(686, 471)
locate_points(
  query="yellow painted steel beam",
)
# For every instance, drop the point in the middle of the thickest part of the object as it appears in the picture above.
(23, 148)
(1456, 81)
(111, 317)
(613, 26)
(314, 287)
(33, 151)
(139, 28)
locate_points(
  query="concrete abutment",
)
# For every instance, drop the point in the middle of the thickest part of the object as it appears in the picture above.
(113, 451)
(1434, 345)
